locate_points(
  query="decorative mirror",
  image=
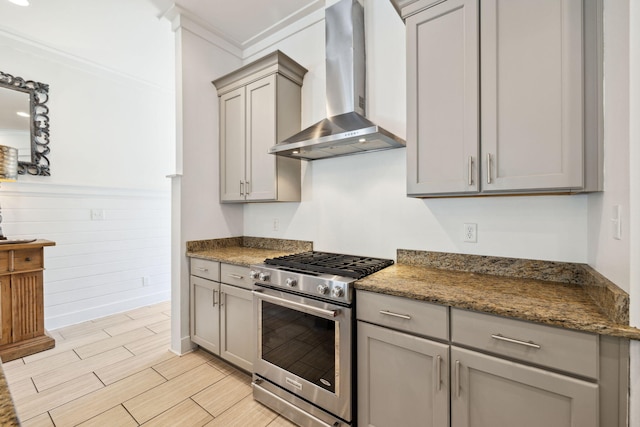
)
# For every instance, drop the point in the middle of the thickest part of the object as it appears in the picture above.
(24, 122)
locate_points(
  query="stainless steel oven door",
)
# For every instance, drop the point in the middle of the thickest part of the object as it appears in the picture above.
(304, 346)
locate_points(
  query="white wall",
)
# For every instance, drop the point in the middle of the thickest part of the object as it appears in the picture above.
(195, 192)
(112, 133)
(358, 204)
(607, 255)
(634, 202)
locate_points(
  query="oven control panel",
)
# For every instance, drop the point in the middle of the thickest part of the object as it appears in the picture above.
(315, 285)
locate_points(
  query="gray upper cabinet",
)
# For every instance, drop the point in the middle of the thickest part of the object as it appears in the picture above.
(442, 96)
(260, 105)
(503, 97)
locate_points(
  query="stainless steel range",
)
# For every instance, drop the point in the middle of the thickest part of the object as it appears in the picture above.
(304, 310)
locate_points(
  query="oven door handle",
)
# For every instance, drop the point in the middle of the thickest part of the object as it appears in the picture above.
(296, 305)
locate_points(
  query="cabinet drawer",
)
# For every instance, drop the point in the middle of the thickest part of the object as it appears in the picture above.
(4, 262)
(205, 269)
(562, 349)
(27, 259)
(403, 314)
(237, 275)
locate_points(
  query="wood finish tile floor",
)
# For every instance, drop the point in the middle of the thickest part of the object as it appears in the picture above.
(118, 371)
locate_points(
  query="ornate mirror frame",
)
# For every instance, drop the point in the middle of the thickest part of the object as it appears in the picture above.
(38, 97)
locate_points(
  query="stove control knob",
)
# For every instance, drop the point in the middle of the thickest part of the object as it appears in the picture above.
(253, 274)
(323, 288)
(264, 277)
(337, 292)
(291, 282)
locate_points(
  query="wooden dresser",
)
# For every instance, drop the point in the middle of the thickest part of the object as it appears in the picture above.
(22, 300)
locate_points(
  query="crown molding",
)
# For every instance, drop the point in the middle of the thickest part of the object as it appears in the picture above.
(181, 17)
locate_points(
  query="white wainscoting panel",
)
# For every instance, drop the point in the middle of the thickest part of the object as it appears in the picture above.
(98, 267)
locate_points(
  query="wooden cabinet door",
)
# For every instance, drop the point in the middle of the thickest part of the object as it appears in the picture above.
(5, 309)
(491, 392)
(232, 146)
(237, 343)
(27, 306)
(442, 99)
(205, 314)
(532, 86)
(261, 135)
(403, 380)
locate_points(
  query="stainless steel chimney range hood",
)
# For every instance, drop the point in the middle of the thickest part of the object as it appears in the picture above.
(346, 130)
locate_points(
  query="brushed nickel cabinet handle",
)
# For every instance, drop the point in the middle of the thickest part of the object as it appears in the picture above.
(488, 168)
(501, 337)
(241, 188)
(222, 298)
(215, 300)
(235, 276)
(392, 314)
(470, 170)
(438, 372)
(457, 378)
(247, 188)
(202, 269)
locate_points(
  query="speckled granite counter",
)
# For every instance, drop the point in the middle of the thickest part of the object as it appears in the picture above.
(245, 250)
(562, 302)
(7, 410)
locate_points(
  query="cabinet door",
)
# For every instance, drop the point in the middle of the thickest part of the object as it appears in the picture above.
(232, 146)
(27, 306)
(531, 85)
(205, 314)
(261, 135)
(5, 309)
(237, 343)
(491, 392)
(403, 380)
(442, 98)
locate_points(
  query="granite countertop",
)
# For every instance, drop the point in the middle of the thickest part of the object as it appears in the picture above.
(567, 305)
(7, 410)
(238, 255)
(245, 250)
(567, 295)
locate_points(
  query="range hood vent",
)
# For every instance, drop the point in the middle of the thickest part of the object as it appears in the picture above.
(346, 130)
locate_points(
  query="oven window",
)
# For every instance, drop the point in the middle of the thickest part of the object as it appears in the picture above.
(300, 343)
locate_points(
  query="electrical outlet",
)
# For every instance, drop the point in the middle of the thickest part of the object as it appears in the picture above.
(276, 224)
(98, 215)
(145, 280)
(470, 233)
(616, 223)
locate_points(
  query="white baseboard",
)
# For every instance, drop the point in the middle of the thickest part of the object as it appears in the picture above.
(104, 310)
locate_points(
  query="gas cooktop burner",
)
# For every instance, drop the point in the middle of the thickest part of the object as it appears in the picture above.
(353, 266)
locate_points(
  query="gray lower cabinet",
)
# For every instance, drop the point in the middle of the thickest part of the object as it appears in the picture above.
(236, 326)
(423, 364)
(222, 313)
(403, 380)
(205, 314)
(491, 392)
